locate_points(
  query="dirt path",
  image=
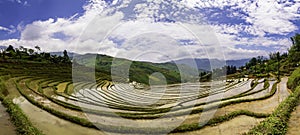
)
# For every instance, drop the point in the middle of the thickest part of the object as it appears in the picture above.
(6, 127)
(293, 125)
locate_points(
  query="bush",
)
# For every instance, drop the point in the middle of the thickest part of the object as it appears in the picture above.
(294, 80)
(276, 124)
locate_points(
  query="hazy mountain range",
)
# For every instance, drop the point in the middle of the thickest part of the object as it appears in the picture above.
(202, 64)
(205, 64)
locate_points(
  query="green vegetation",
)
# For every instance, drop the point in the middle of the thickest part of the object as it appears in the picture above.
(228, 71)
(60, 76)
(294, 52)
(28, 54)
(278, 63)
(294, 80)
(217, 120)
(277, 122)
(47, 77)
(281, 64)
(19, 119)
(138, 71)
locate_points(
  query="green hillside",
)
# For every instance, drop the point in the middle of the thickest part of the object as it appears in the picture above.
(139, 71)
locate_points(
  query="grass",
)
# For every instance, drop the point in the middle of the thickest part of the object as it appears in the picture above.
(147, 115)
(217, 120)
(294, 79)
(276, 124)
(73, 119)
(181, 128)
(61, 77)
(19, 119)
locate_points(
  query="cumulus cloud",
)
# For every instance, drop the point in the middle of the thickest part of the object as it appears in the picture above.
(272, 17)
(155, 30)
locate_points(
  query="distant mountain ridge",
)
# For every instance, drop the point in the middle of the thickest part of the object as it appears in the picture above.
(205, 64)
(70, 54)
(202, 64)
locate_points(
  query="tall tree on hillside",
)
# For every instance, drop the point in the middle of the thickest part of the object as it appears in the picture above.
(66, 56)
(278, 65)
(31, 51)
(260, 59)
(37, 48)
(294, 51)
(21, 48)
(296, 42)
(10, 51)
(19, 53)
(10, 48)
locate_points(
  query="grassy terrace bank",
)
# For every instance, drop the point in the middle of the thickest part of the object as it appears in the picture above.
(53, 79)
(183, 128)
(277, 122)
(19, 119)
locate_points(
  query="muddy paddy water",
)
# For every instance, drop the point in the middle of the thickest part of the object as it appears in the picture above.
(52, 125)
(6, 127)
(236, 126)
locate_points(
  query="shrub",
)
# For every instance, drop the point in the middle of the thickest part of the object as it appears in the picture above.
(276, 124)
(294, 80)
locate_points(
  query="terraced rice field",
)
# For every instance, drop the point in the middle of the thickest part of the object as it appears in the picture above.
(6, 127)
(60, 106)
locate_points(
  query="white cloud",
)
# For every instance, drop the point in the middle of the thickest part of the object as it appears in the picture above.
(271, 17)
(25, 3)
(265, 16)
(5, 29)
(145, 39)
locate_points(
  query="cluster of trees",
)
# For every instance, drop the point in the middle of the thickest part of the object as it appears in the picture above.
(226, 70)
(277, 62)
(29, 54)
(294, 51)
(218, 72)
(255, 64)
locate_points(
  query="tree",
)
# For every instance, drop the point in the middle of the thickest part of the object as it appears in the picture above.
(25, 50)
(47, 56)
(278, 66)
(10, 51)
(31, 51)
(19, 53)
(37, 48)
(10, 48)
(296, 42)
(260, 59)
(294, 51)
(66, 58)
(21, 48)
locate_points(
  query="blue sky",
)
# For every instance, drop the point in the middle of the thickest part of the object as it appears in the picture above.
(14, 12)
(186, 28)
